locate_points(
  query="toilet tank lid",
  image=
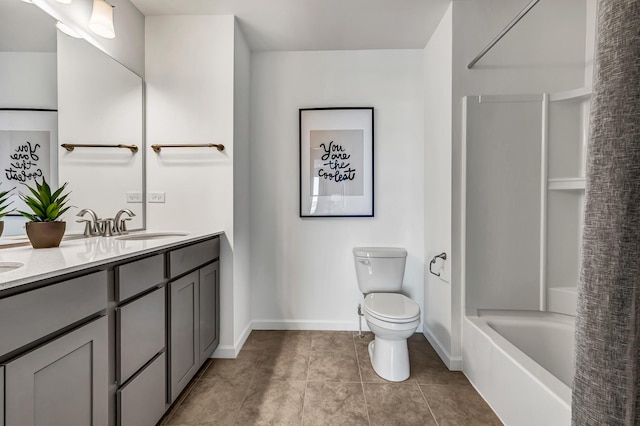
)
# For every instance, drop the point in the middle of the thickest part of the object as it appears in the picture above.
(379, 252)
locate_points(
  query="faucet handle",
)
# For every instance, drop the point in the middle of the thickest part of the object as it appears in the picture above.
(121, 227)
(105, 227)
(88, 227)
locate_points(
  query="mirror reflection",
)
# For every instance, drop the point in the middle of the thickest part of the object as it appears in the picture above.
(93, 100)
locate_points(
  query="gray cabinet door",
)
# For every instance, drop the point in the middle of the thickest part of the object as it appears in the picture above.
(62, 383)
(184, 332)
(209, 314)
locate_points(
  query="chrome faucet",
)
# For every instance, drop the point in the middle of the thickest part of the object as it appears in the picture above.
(120, 224)
(91, 224)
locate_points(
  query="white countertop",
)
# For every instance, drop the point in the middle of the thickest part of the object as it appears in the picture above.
(82, 253)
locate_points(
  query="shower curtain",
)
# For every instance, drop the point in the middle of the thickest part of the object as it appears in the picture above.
(606, 387)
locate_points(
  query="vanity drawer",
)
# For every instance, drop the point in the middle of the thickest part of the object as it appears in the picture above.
(29, 316)
(188, 258)
(142, 401)
(136, 277)
(140, 333)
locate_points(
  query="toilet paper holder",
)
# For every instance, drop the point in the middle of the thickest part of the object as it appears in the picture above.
(442, 256)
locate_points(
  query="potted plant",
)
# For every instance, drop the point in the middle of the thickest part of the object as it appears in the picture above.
(44, 229)
(4, 197)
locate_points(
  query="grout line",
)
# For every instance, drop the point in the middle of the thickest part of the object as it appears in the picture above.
(427, 402)
(306, 381)
(246, 392)
(364, 395)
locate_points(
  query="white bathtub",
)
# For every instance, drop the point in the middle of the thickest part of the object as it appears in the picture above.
(522, 364)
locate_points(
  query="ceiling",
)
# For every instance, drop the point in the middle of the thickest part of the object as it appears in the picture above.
(318, 24)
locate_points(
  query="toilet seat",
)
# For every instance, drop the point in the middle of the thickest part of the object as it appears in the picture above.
(391, 307)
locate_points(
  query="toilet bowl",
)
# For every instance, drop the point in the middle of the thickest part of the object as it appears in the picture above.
(392, 318)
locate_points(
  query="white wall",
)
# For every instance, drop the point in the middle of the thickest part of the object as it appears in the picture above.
(437, 185)
(28, 80)
(590, 41)
(128, 45)
(302, 270)
(241, 189)
(190, 99)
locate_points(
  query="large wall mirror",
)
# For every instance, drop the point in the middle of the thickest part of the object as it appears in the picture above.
(55, 90)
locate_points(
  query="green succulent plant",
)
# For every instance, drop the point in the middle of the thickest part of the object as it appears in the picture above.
(46, 206)
(4, 197)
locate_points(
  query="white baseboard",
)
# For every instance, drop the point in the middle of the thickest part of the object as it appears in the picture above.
(452, 363)
(229, 351)
(232, 351)
(307, 325)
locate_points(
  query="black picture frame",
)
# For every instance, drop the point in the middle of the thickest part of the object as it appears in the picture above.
(336, 147)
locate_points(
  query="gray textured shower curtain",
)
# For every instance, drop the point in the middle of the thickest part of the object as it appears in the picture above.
(606, 388)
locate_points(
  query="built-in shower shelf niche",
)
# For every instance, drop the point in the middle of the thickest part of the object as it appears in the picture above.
(574, 95)
(567, 131)
(567, 184)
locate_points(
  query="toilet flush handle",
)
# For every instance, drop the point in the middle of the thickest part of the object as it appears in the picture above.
(363, 261)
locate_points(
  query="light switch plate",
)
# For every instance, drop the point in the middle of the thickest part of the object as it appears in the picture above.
(156, 197)
(134, 197)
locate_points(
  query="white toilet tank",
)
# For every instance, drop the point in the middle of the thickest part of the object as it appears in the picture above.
(380, 269)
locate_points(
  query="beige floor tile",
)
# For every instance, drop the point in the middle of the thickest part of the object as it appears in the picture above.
(427, 368)
(241, 369)
(266, 385)
(458, 405)
(287, 365)
(397, 404)
(334, 366)
(332, 341)
(210, 402)
(332, 403)
(279, 340)
(273, 403)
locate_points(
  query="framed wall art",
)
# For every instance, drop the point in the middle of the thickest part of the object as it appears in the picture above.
(336, 162)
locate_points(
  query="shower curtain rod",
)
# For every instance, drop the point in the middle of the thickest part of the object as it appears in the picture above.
(503, 33)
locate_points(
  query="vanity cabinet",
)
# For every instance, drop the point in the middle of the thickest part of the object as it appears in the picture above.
(63, 382)
(194, 324)
(112, 344)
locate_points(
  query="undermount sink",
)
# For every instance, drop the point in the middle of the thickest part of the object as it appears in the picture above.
(10, 266)
(151, 236)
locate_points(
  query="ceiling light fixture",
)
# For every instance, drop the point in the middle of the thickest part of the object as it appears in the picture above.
(101, 21)
(65, 29)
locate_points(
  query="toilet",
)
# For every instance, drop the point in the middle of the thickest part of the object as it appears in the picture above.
(391, 316)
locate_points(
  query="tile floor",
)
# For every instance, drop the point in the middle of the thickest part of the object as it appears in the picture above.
(325, 378)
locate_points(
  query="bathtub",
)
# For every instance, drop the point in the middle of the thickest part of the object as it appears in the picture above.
(521, 362)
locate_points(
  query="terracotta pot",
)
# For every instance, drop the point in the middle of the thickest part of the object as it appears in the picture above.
(45, 234)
